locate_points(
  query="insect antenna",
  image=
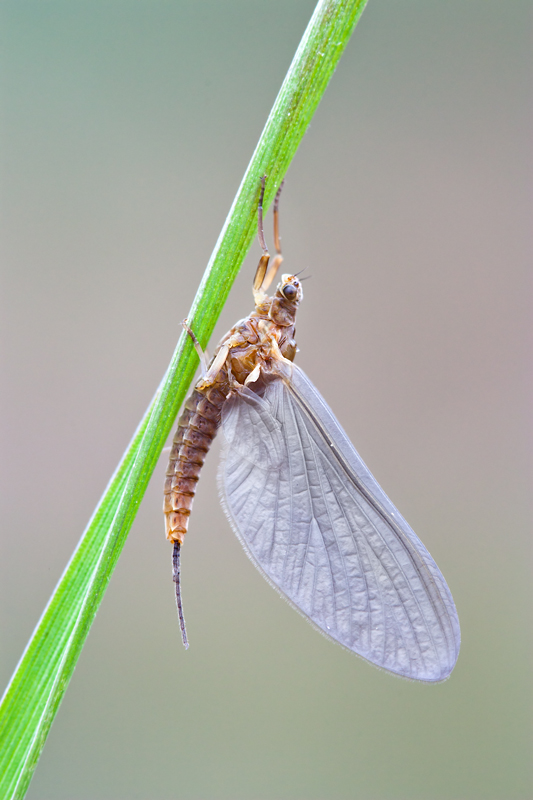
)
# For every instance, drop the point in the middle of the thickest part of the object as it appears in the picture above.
(176, 570)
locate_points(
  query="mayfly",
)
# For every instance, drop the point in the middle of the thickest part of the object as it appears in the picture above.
(306, 509)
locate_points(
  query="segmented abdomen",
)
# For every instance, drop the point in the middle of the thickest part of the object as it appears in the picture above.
(197, 427)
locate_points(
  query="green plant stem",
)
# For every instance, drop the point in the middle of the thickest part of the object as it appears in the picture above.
(37, 687)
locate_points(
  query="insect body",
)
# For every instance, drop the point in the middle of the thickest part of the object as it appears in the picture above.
(308, 512)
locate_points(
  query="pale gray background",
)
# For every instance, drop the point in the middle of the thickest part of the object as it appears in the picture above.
(127, 128)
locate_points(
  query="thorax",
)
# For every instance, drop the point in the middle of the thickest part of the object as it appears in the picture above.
(260, 338)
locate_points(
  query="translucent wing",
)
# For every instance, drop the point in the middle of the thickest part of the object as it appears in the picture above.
(319, 527)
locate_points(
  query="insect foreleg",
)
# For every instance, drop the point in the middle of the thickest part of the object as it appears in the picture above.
(276, 262)
(258, 291)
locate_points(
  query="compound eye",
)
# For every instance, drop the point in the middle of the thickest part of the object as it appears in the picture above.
(289, 292)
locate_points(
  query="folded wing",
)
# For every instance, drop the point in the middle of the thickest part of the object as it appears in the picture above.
(318, 526)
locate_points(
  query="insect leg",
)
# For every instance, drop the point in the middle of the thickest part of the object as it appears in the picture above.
(254, 375)
(218, 362)
(202, 354)
(276, 262)
(265, 258)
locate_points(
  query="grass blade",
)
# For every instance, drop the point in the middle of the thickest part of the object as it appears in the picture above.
(37, 687)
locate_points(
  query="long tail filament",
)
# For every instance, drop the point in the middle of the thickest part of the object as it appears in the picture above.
(177, 582)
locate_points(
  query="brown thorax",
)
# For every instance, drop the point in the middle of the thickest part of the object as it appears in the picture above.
(267, 335)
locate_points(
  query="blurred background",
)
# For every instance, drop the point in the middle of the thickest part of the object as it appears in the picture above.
(127, 129)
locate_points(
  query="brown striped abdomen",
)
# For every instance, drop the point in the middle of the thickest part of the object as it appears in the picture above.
(197, 427)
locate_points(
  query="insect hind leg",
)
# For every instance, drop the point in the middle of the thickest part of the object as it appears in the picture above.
(202, 354)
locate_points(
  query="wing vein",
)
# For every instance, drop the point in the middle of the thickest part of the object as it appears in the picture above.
(328, 511)
(318, 526)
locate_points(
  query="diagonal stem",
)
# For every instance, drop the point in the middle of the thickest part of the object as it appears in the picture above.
(33, 696)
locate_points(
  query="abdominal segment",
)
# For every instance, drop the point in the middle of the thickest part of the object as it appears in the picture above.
(197, 427)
